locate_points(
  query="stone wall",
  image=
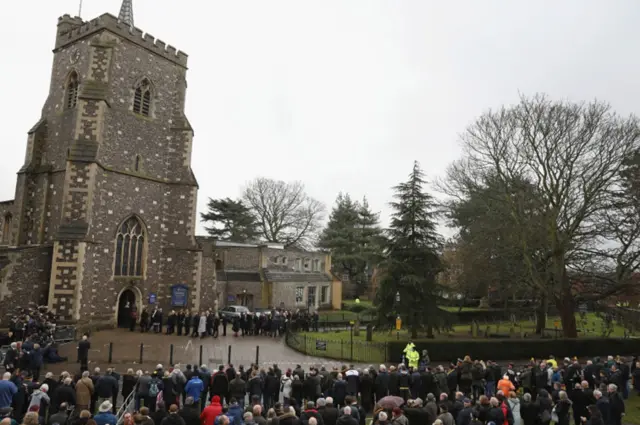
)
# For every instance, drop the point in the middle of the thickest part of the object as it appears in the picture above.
(24, 277)
(290, 259)
(284, 293)
(6, 213)
(239, 258)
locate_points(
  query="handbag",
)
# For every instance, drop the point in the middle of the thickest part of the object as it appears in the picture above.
(554, 415)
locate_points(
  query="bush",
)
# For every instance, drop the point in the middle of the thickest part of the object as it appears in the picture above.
(517, 349)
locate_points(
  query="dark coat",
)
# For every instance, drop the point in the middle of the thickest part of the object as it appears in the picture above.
(529, 413)
(219, 383)
(329, 415)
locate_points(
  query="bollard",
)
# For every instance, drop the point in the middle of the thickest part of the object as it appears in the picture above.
(200, 356)
(257, 354)
(110, 352)
(141, 352)
(229, 355)
(171, 354)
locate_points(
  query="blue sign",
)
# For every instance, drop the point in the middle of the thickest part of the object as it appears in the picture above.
(152, 298)
(179, 295)
(231, 298)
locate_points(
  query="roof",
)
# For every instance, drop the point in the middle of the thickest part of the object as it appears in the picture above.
(281, 276)
(238, 276)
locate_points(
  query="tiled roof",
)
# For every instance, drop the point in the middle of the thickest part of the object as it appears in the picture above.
(238, 276)
(281, 276)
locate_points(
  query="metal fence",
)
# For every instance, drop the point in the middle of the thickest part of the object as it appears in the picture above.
(341, 349)
(188, 353)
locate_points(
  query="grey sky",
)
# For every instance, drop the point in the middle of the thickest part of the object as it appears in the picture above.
(341, 94)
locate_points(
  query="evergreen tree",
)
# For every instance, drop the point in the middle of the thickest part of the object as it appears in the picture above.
(412, 258)
(353, 236)
(230, 220)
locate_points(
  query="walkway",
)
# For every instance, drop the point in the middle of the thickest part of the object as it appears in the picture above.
(156, 349)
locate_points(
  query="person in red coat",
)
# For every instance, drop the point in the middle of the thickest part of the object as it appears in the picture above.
(211, 412)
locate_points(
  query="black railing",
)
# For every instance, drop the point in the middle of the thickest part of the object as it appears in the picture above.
(339, 349)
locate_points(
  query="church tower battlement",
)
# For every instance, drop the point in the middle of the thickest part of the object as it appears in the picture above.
(107, 181)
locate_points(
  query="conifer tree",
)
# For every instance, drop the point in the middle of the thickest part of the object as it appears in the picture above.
(230, 220)
(412, 258)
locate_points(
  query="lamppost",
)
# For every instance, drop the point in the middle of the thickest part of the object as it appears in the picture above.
(398, 319)
(244, 297)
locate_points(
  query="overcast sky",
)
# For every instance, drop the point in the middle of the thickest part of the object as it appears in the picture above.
(340, 94)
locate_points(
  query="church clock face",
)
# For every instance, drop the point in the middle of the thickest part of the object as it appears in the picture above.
(75, 55)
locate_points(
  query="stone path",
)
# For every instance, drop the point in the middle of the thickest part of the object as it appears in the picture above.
(157, 347)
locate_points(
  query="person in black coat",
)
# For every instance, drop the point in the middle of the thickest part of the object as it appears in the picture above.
(418, 414)
(616, 404)
(580, 404)
(328, 412)
(382, 383)
(83, 353)
(366, 391)
(495, 413)
(220, 384)
(129, 381)
(271, 389)
(190, 412)
(529, 411)
(296, 388)
(339, 391)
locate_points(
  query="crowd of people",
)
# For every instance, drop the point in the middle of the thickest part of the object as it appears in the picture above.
(273, 323)
(470, 392)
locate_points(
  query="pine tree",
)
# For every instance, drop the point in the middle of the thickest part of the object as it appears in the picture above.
(353, 237)
(412, 258)
(231, 221)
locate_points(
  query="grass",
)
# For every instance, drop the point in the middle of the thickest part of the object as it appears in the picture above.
(592, 325)
(632, 408)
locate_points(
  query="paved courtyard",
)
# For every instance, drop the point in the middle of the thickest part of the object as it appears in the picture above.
(156, 349)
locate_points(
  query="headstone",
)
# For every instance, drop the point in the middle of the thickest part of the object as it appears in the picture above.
(369, 332)
(484, 303)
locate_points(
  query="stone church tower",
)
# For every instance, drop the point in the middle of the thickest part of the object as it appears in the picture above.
(104, 215)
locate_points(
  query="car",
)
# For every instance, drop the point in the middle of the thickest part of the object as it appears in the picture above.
(234, 311)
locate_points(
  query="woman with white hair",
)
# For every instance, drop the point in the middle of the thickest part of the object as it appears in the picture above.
(41, 399)
(562, 409)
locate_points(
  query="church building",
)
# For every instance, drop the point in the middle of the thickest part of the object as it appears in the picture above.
(104, 215)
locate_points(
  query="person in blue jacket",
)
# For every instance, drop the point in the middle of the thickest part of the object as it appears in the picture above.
(194, 388)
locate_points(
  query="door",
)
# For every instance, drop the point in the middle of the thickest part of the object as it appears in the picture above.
(126, 304)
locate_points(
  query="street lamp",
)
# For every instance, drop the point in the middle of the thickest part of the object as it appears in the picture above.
(398, 319)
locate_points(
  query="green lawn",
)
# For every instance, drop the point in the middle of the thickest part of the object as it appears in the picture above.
(593, 327)
(632, 408)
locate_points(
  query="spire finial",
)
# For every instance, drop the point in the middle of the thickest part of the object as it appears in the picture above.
(126, 13)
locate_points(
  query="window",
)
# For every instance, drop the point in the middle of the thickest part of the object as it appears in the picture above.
(284, 260)
(142, 98)
(316, 265)
(324, 295)
(307, 263)
(137, 164)
(6, 228)
(71, 95)
(130, 243)
(299, 295)
(219, 265)
(311, 296)
(298, 264)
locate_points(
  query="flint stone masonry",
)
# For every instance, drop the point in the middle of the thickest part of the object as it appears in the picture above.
(90, 167)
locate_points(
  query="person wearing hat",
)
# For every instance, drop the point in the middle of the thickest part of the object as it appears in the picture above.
(466, 414)
(105, 416)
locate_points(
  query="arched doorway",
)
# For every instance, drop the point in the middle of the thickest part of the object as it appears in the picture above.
(126, 304)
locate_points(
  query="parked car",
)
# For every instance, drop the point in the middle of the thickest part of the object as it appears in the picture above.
(233, 311)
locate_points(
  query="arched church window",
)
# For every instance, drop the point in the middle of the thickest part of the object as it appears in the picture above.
(71, 95)
(142, 98)
(6, 227)
(130, 248)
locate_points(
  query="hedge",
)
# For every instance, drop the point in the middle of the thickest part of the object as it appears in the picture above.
(518, 349)
(451, 350)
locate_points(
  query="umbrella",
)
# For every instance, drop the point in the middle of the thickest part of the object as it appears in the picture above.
(390, 401)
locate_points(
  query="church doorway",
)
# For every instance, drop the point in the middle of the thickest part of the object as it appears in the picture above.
(126, 304)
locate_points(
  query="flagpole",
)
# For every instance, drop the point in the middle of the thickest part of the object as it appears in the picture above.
(80, 9)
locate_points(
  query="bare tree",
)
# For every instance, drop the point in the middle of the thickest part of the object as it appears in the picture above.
(284, 212)
(573, 156)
